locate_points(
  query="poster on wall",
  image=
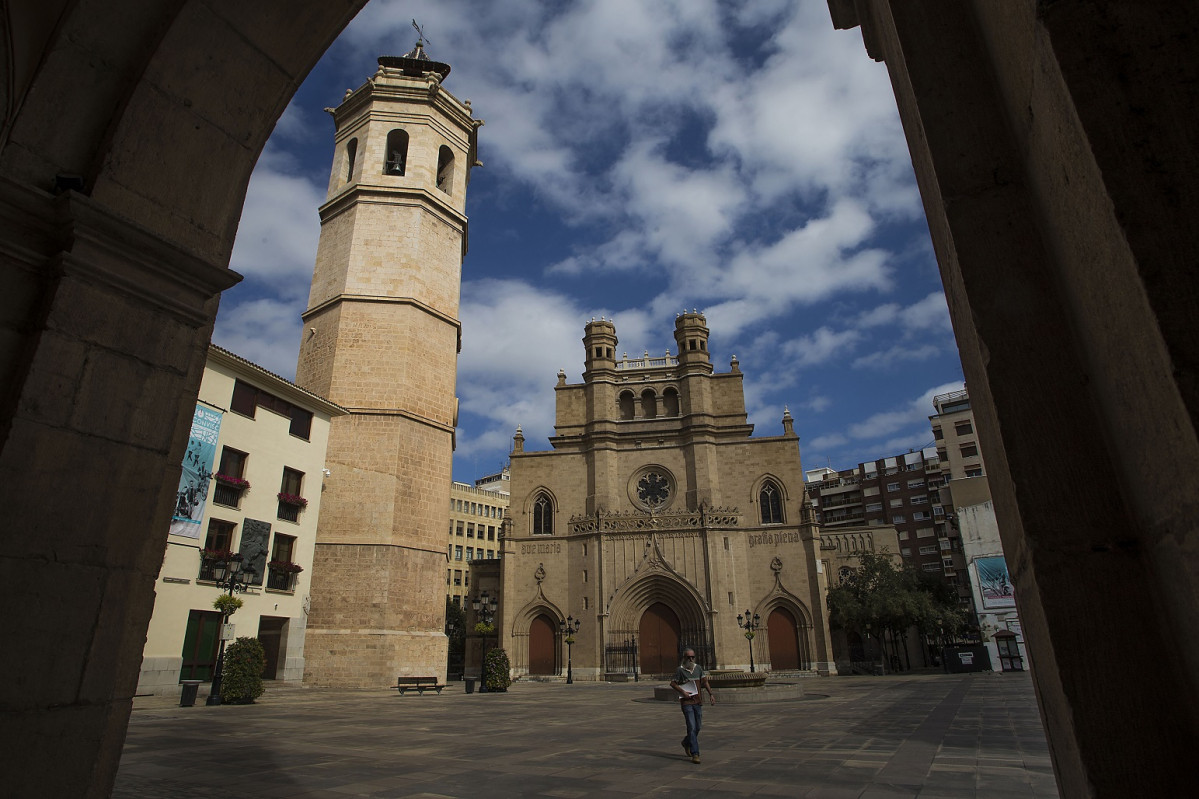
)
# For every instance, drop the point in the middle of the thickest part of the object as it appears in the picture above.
(995, 583)
(197, 473)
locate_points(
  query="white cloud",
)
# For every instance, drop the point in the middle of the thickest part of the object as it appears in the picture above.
(515, 338)
(829, 441)
(894, 356)
(820, 346)
(915, 412)
(279, 229)
(264, 331)
(816, 404)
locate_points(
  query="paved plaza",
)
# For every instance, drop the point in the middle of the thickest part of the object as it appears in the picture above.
(928, 735)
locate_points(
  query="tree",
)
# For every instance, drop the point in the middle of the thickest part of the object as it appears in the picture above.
(880, 598)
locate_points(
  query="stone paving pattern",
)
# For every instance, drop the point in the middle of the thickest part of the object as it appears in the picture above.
(932, 736)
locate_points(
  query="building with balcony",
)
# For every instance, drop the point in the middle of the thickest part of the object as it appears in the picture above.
(251, 485)
(900, 491)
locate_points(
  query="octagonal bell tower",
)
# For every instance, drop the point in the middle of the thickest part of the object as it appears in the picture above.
(381, 338)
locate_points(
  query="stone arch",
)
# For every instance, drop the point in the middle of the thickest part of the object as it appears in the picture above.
(649, 404)
(670, 401)
(627, 403)
(631, 601)
(445, 169)
(350, 161)
(800, 617)
(395, 157)
(147, 116)
(522, 622)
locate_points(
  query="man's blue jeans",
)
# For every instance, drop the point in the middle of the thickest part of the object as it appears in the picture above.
(694, 716)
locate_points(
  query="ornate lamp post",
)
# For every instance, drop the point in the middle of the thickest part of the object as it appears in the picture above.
(485, 607)
(568, 629)
(749, 624)
(233, 576)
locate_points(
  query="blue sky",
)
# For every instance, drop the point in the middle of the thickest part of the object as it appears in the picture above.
(642, 157)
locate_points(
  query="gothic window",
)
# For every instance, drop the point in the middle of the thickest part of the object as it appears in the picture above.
(351, 156)
(543, 515)
(649, 404)
(627, 405)
(445, 169)
(770, 501)
(396, 160)
(670, 402)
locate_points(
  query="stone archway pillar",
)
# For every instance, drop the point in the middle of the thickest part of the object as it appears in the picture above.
(106, 331)
(1061, 195)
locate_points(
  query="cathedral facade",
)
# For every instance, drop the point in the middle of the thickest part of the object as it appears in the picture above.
(656, 522)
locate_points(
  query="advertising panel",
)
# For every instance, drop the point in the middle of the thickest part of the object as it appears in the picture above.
(197, 473)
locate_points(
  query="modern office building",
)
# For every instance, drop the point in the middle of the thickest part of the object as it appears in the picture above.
(476, 513)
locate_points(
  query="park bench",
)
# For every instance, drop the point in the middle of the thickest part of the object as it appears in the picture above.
(418, 684)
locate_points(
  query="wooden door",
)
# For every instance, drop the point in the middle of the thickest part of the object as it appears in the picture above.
(200, 645)
(542, 636)
(660, 632)
(270, 633)
(783, 634)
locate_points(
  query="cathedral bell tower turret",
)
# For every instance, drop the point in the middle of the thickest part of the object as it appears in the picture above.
(691, 334)
(599, 340)
(381, 338)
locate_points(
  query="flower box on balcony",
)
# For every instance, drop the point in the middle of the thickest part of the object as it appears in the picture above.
(292, 499)
(232, 482)
(285, 566)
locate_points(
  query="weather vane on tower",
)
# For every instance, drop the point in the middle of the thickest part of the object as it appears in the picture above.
(420, 34)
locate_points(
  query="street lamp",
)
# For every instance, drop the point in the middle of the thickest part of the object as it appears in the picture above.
(568, 628)
(485, 607)
(749, 624)
(233, 576)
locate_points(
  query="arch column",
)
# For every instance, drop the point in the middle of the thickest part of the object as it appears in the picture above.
(1061, 201)
(94, 420)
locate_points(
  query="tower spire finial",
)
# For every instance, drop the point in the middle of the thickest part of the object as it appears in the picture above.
(420, 34)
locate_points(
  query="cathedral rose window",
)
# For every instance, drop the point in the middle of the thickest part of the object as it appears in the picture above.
(652, 488)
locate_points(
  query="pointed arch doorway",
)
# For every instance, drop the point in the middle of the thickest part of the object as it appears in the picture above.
(659, 633)
(783, 634)
(541, 646)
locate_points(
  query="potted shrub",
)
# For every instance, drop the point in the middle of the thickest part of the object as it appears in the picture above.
(227, 604)
(241, 678)
(497, 670)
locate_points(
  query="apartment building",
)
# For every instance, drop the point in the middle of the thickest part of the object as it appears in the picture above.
(250, 486)
(899, 491)
(970, 523)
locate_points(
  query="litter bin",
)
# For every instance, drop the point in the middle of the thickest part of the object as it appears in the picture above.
(187, 698)
(470, 684)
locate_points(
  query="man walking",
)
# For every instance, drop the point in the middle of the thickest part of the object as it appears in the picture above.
(690, 681)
